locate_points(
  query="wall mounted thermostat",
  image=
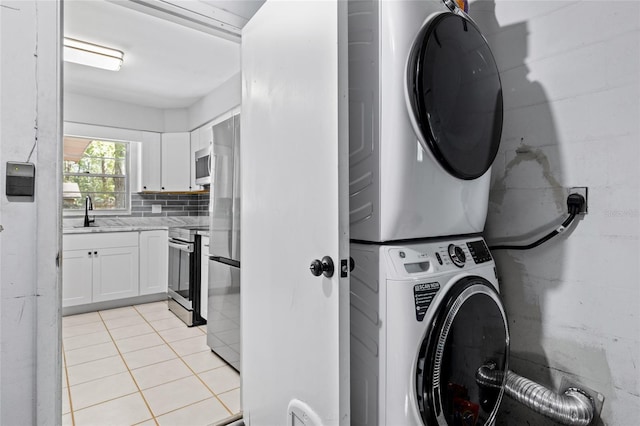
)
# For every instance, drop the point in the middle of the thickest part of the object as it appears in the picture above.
(20, 179)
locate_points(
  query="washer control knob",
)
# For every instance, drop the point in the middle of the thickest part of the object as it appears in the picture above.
(457, 256)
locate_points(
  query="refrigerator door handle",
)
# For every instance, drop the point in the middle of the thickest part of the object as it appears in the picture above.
(226, 261)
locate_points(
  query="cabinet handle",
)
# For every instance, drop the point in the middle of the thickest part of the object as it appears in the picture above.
(89, 253)
(95, 253)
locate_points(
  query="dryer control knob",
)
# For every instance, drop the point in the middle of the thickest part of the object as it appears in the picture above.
(457, 256)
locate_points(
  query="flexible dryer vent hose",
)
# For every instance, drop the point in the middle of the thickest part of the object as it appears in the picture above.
(573, 407)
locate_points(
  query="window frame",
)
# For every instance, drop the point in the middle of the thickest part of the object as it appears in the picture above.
(130, 153)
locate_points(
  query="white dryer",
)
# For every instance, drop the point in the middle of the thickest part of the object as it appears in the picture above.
(424, 318)
(425, 120)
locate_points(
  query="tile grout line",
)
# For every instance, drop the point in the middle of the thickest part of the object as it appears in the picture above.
(153, 417)
(140, 391)
(111, 375)
(66, 373)
(190, 369)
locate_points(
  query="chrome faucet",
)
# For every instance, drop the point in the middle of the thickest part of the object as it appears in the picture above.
(88, 205)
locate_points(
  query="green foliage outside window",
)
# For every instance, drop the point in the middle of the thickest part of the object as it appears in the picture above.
(100, 171)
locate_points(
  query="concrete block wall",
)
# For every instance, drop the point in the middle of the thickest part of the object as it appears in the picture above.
(30, 118)
(571, 80)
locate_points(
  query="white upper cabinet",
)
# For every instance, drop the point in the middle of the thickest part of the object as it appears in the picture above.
(166, 162)
(206, 136)
(176, 164)
(150, 161)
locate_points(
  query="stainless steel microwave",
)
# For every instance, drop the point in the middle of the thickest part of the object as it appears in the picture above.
(203, 166)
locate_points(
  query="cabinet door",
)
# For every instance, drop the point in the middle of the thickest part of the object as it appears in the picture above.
(176, 167)
(150, 161)
(204, 277)
(76, 277)
(154, 252)
(115, 273)
(194, 138)
(206, 136)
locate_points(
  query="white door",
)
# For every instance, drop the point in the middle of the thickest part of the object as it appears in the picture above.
(294, 156)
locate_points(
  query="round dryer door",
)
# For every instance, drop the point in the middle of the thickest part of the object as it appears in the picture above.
(463, 358)
(455, 95)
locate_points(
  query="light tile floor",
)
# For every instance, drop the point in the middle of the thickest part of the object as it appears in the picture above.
(141, 365)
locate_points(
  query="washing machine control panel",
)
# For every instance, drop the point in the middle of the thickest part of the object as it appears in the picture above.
(479, 251)
(412, 261)
(459, 254)
(420, 259)
(456, 254)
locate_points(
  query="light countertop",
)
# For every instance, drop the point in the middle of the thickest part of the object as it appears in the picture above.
(122, 228)
(74, 225)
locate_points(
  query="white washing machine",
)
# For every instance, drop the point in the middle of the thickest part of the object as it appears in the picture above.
(424, 318)
(425, 120)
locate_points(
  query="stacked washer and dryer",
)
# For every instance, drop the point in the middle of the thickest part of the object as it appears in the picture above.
(425, 126)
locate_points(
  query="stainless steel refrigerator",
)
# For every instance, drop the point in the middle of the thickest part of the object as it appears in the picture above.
(223, 318)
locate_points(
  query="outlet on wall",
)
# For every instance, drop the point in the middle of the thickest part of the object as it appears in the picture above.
(584, 191)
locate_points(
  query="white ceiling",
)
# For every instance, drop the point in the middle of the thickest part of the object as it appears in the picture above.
(166, 64)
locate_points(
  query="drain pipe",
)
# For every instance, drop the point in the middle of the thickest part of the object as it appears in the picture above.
(574, 407)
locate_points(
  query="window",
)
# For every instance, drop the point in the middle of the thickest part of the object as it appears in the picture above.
(95, 168)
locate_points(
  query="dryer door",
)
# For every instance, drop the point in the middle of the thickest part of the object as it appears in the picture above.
(454, 95)
(463, 358)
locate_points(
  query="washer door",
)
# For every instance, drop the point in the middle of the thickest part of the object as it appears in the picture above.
(470, 332)
(455, 95)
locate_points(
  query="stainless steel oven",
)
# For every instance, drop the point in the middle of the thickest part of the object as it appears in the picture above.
(184, 275)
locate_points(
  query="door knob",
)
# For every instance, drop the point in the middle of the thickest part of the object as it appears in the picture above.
(324, 267)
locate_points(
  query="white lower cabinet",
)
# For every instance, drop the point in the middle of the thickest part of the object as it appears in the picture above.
(154, 258)
(99, 267)
(115, 273)
(77, 277)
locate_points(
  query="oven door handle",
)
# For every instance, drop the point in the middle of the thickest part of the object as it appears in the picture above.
(188, 247)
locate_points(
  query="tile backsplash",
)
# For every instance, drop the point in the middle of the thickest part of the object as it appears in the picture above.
(169, 204)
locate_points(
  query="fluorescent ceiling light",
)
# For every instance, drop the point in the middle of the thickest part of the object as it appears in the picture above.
(92, 55)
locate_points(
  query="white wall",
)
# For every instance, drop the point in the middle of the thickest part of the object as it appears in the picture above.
(176, 120)
(571, 79)
(109, 113)
(220, 100)
(105, 112)
(30, 353)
